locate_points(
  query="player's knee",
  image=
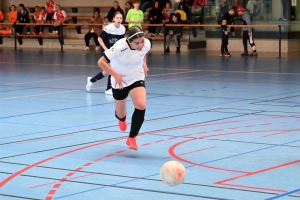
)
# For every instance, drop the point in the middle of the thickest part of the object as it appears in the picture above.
(139, 114)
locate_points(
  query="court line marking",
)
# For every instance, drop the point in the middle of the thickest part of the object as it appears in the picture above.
(284, 194)
(20, 83)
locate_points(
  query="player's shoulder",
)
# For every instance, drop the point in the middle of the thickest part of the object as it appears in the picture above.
(120, 45)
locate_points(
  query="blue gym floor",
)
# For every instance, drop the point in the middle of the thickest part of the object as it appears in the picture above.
(234, 123)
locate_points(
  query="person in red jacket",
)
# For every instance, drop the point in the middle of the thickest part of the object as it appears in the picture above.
(50, 9)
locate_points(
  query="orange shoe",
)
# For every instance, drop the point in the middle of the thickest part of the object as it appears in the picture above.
(128, 139)
(122, 125)
(40, 33)
(33, 33)
(132, 143)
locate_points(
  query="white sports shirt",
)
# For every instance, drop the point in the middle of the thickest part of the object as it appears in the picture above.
(127, 61)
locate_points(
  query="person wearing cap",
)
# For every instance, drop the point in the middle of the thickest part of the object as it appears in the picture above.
(227, 19)
(247, 32)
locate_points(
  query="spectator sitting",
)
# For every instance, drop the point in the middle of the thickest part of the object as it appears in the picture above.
(36, 16)
(59, 17)
(94, 32)
(155, 17)
(105, 22)
(50, 9)
(173, 31)
(12, 15)
(42, 19)
(167, 10)
(23, 17)
(115, 8)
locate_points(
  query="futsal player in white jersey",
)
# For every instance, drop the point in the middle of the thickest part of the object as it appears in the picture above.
(109, 36)
(126, 63)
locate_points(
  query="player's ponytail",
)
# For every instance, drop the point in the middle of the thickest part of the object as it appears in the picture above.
(134, 33)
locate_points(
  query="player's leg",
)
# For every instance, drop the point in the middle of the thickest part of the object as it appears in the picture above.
(138, 96)
(252, 44)
(108, 90)
(92, 80)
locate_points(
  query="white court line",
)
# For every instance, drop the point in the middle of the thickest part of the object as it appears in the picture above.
(35, 95)
(46, 80)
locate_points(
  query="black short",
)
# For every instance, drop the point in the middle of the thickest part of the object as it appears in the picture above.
(123, 94)
(49, 16)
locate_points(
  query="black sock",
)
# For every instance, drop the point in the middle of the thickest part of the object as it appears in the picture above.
(109, 83)
(121, 119)
(136, 122)
(97, 77)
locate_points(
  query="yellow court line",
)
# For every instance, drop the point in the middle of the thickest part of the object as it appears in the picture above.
(46, 80)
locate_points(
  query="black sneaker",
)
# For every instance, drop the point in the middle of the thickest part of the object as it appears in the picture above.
(253, 54)
(20, 40)
(244, 54)
(177, 50)
(167, 50)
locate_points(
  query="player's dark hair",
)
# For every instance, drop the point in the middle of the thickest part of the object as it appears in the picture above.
(134, 33)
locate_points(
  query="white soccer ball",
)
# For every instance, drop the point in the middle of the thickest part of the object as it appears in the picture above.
(172, 173)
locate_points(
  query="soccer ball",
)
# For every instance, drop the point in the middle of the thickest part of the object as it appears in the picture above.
(172, 173)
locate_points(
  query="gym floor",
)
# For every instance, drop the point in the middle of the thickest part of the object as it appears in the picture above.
(234, 123)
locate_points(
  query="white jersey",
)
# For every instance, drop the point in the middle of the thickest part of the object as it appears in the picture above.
(127, 61)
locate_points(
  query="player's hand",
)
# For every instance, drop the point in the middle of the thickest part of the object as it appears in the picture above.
(151, 18)
(119, 80)
(226, 32)
(146, 69)
(250, 33)
(233, 34)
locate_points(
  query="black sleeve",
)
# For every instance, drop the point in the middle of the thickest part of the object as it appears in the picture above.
(103, 34)
(27, 17)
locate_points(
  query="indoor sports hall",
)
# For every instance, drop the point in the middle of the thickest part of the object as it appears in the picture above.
(232, 122)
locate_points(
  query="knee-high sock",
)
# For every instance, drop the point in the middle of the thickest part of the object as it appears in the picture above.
(136, 122)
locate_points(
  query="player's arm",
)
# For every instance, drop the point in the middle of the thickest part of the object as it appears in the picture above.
(104, 65)
(145, 67)
(100, 38)
(224, 26)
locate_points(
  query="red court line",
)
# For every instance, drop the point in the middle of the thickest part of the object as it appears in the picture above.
(145, 144)
(218, 130)
(201, 132)
(109, 155)
(258, 172)
(171, 152)
(192, 152)
(282, 132)
(266, 124)
(70, 174)
(187, 135)
(48, 198)
(252, 187)
(2, 183)
(63, 180)
(9, 178)
(58, 185)
(79, 169)
(249, 126)
(233, 133)
(233, 128)
(281, 122)
(87, 164)
(98, 159)
(121, 151)
(157, 141)
(52, 192)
